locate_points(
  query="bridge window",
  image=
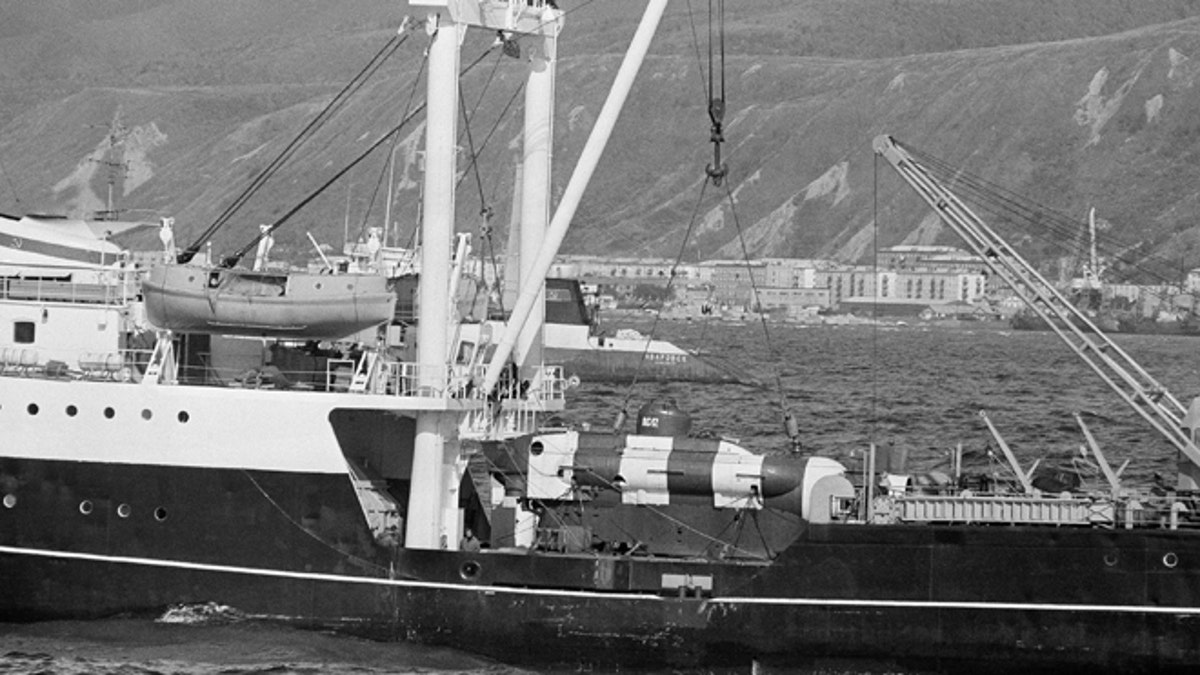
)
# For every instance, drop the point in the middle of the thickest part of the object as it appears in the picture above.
(23, 332)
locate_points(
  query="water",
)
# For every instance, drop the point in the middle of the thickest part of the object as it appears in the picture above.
(147, 647)
(917, 387)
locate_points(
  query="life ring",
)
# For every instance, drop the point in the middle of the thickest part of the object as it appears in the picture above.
(573, 382)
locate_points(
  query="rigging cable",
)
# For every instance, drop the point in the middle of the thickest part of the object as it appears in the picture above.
(316, 123)
(716, 104)
(791, 426)
(623, 411)
(875, 306)
(682, 524)
(413, 238)
(233, 259)
(486, 212)
(1034, 218)
(356, 560)
(383, 172)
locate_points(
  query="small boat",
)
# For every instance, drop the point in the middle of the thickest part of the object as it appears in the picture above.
(298, 305)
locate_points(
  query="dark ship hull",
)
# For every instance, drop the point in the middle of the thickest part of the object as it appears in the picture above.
(572, 342)
(593, 364)
(293, 547)
(1024, 321)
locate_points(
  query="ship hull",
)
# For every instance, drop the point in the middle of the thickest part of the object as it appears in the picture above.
(1111, 325)
(292, 546)
(594, 364)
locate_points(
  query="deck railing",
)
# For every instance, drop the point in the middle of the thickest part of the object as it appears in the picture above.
(50, 284)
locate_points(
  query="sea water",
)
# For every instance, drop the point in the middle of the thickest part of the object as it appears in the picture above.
(918, 388)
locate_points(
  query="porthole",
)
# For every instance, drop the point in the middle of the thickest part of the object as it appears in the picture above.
(317, 285)
(85, 507)
(469, 570)
(72, 411)
(146, 414)
(10, 501)
(536, 448)
(1110, 559)
(32, 408)
(124, 510)
(109, 413)
(1170, 560)
(160, 514)
(184, 416)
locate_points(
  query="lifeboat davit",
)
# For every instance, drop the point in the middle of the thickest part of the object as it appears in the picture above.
(296, 305)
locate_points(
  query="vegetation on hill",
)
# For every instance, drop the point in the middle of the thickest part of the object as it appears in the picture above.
(1068, 103)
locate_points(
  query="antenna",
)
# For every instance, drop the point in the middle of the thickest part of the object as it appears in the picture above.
(117, 133)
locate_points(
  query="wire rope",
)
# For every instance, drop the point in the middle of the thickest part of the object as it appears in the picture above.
(306, 133)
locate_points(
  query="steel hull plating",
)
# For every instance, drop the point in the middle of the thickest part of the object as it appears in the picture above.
(293, 547)
(611, 365)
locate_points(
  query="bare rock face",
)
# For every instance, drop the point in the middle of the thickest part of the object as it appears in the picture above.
(173, 108)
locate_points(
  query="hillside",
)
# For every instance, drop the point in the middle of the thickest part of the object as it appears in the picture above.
(1071, 104)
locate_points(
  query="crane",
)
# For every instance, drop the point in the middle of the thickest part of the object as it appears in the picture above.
(1120, 372)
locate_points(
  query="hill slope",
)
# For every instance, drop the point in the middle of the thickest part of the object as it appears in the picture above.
(1069, 103)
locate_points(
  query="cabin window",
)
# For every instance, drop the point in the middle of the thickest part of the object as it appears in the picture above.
(465, 351)
(23, 332)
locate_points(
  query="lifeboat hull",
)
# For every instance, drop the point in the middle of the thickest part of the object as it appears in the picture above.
(239, 302)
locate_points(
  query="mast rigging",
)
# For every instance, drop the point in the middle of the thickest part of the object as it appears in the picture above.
(716, 102)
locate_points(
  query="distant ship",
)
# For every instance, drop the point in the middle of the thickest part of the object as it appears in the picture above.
(571, 340)
(1088, 291)
(1118, 322)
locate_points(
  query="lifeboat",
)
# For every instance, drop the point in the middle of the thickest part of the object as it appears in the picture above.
(297, 305)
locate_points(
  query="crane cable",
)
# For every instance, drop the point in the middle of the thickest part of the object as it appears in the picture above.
(622, 412)
(1037, 219)
(486, 212)
(791, 426)
(233, 259)
(384, 171)
(716, 103)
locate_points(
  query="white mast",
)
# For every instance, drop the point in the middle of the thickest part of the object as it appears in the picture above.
(426, 525)
(535, 194)
(432, 520)
(588, 159)
(512, 246)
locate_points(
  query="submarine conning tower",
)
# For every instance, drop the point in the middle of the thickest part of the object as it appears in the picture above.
(663, 418)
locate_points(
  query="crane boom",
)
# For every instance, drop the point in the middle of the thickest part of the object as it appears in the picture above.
(1116, 368)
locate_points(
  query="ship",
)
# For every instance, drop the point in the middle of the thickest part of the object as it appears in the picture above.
(573, 340)
(436, 500)
(1168, 310)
